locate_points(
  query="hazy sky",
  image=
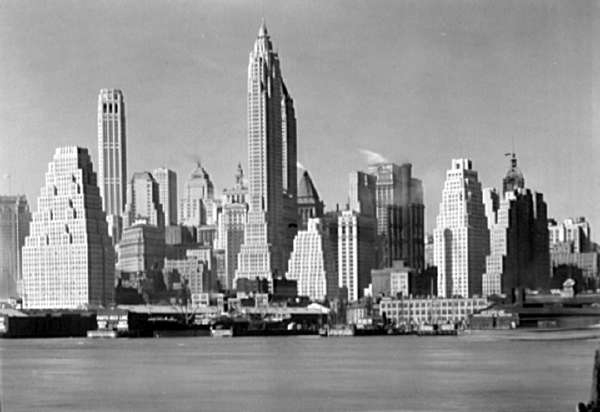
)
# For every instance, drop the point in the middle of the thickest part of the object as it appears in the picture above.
(419, 81)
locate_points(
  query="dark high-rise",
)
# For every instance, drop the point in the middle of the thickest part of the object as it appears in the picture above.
(400, 215)
(519, 253)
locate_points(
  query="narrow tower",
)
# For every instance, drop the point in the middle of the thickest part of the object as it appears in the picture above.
(112, 158)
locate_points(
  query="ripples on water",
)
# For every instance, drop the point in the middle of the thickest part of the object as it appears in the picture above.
(294, 374)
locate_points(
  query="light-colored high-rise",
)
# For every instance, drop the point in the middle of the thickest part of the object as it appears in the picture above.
(68, 258)
(143, 204)
(230, 226)
(167, 193)
(197, 202)
(461, 236)
(112, 158)
(313, 263)
(357, 233)
(14, 227)
(272, 216)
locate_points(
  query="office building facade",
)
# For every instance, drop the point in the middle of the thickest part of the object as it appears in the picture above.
(68, 257)
(14, 228)
(461, 235)
(167, 193)
(400, 215)
(143, 203)
(313, 262)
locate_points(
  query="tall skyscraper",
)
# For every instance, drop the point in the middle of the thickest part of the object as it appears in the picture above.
(167, 193)
(143, 204)
(519, 256)
(196, 205)
(313, 263)
(14, 227)
(310, 204)
(230, 226)
(68, 258)
(112, 158)
(461, 236)
(357, 233)
(400, 215)
(272, 216)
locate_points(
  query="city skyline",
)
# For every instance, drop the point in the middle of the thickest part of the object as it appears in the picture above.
(525, 78)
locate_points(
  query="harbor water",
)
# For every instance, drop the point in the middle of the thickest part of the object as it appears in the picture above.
(404, 373)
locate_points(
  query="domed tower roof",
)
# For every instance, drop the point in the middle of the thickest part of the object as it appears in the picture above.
(306, 188)
(199, 172)
(514, 177)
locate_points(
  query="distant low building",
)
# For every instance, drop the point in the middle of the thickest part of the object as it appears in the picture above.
(392, 282)
(430, 310)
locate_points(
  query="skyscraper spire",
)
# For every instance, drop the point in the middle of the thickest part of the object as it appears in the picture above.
(272, 215)
(262, 30)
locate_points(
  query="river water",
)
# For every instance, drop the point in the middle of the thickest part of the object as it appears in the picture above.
(404, 373)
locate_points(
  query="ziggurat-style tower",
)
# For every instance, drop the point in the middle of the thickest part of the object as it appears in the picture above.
(68, 258)
(272, 216)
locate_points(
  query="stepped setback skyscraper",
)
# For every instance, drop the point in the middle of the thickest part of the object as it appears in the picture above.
(461, 236)
(112, 158)
(68, 258)
(272, 216)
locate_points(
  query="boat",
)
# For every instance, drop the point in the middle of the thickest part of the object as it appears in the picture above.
(102, 334)
(221, 332)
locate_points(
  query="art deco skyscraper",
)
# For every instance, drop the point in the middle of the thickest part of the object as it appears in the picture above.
(272, 216)
(167, 193)
(68, 258)
(461, 235)
(14, 227)
(112, 158)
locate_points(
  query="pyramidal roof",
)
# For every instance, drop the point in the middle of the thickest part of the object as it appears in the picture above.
(306, 187)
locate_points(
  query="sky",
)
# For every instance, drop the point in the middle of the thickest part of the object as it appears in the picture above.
(415, 81)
